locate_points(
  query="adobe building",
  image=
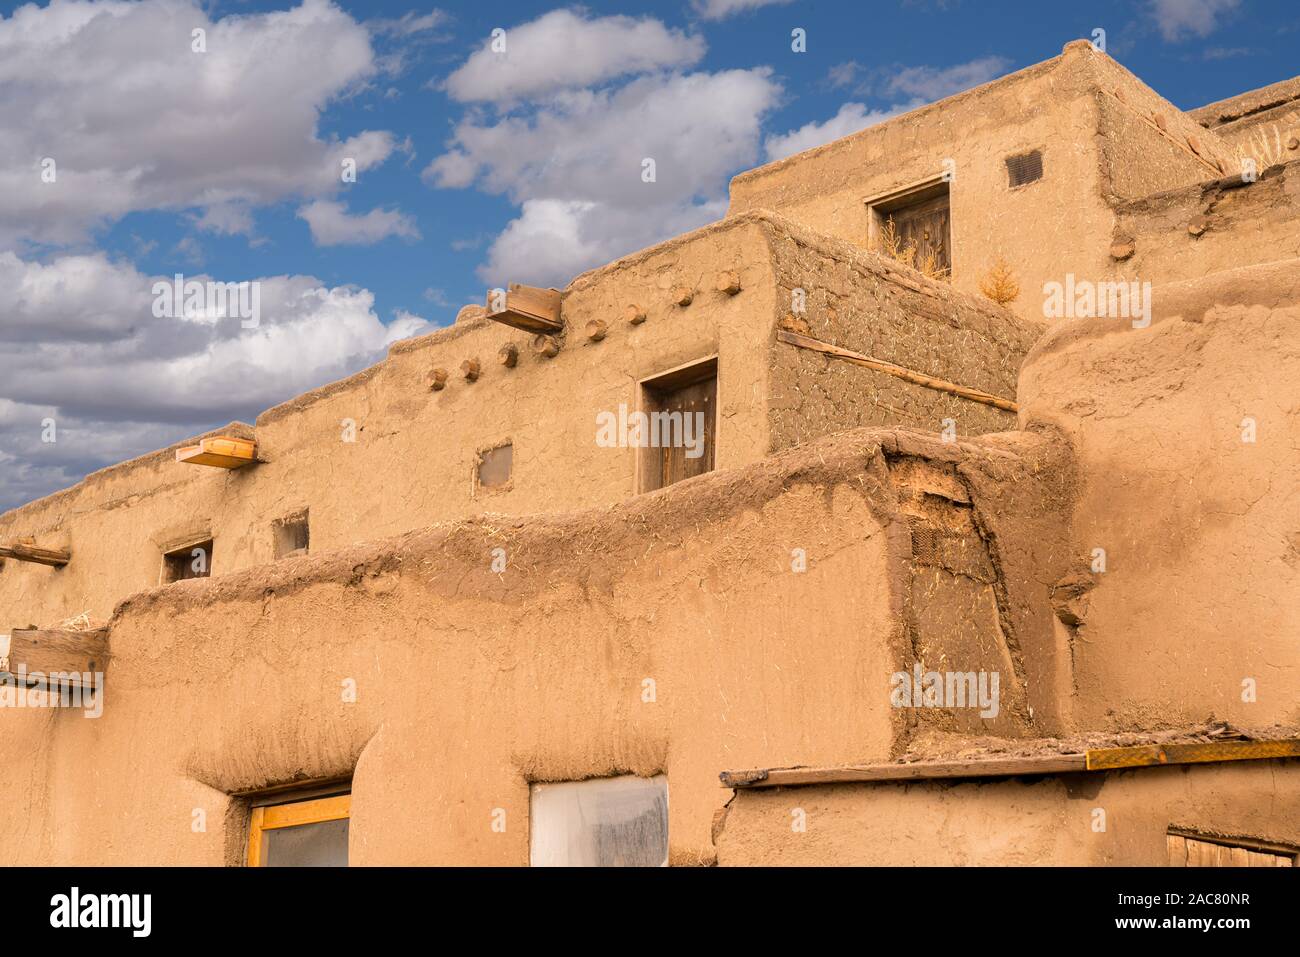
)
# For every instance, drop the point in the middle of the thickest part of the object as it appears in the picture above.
(458, 609)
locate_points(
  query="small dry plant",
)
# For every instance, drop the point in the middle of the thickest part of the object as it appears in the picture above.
(999, 283)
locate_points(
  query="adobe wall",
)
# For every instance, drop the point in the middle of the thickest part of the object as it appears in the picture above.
(865, 303)
(1210, 227)
(470, 684)
(1201, 590)
(415, 452)
(1017, 822)
(1060, 223)
(1263, 124)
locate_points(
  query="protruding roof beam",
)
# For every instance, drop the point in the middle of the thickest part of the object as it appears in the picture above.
(23, 552)
(529, 308)
(219, 451)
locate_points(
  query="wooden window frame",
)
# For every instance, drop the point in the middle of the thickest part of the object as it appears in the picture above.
(272, 817)
(187, 545)
(688, 373)
(881, 206)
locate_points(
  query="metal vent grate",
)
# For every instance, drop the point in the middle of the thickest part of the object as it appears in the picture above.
(1025, 168)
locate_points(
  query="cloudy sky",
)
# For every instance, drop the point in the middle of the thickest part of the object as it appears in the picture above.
(128, 154)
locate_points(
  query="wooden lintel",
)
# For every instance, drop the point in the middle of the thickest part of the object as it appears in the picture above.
(54, 651)
(897, 371)
(529, 308)
(1101, 759)
(918, 771)
(1201, 752)
(21, 552)
(219, 451)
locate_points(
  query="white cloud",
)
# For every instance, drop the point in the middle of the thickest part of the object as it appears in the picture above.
(142, 382)
(332, 225)
(928, 83)
(576, 167)
(564, 49)
(720, 9)
(850, 118)
(1179, 19)
(135, 120)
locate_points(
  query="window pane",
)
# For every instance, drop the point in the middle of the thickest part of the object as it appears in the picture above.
(605, 822)
(324, 844)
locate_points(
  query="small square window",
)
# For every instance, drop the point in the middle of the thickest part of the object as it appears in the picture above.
(604, 822)
(192, 561)
(300, 833)
(292, 536)
(1025, 168)
(494, 466)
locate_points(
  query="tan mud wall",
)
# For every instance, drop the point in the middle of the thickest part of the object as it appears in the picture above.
(861, 302)
(413, 461)
(1201, 592)
(1048, 821)
(1044, 229)
(1241, 225)
(470, 684)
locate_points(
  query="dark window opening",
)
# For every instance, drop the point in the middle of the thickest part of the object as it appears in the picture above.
(192, 561)
(1024, 169)
(494, 466)
(292, 536)
(681, 417)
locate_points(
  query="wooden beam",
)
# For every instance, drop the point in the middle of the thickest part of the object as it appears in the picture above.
(1148, 755)
(529, 308)
(918, 771)
(219, 451)
(897, 371)
(22, 552)
(1102, 759)
(54, 650)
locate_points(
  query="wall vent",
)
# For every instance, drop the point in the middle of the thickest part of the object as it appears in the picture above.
(1025, 168)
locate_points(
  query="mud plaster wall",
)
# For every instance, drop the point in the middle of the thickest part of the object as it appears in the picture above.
(1045, 821)
(471, 684)
(1058, 224)
(860, 302)
(1201, 529)
(415, 452)
(1241, 224)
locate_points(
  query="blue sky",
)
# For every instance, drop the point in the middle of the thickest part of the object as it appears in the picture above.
(473, 169)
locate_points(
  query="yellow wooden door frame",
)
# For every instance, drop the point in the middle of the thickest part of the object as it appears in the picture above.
(292, 814)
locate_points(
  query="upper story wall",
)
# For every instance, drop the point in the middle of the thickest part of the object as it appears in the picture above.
(1104, 137)
(1184, 432)
(1263, 124)
(413, 461)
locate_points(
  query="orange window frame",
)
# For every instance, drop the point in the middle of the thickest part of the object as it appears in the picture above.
(292, 814)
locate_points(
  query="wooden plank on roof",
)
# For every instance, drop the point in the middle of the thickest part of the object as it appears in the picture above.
(24, 552)
(1147, 755)
(529, 308)
(918, 771)
(219, 451)
(49, 651)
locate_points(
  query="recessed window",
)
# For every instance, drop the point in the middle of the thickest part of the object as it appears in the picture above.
(311, 833)
(494, 466)
(192, 561)
(603, 822)
(678, 434)
(914, 225)
(292, 535)
(1025, 168)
